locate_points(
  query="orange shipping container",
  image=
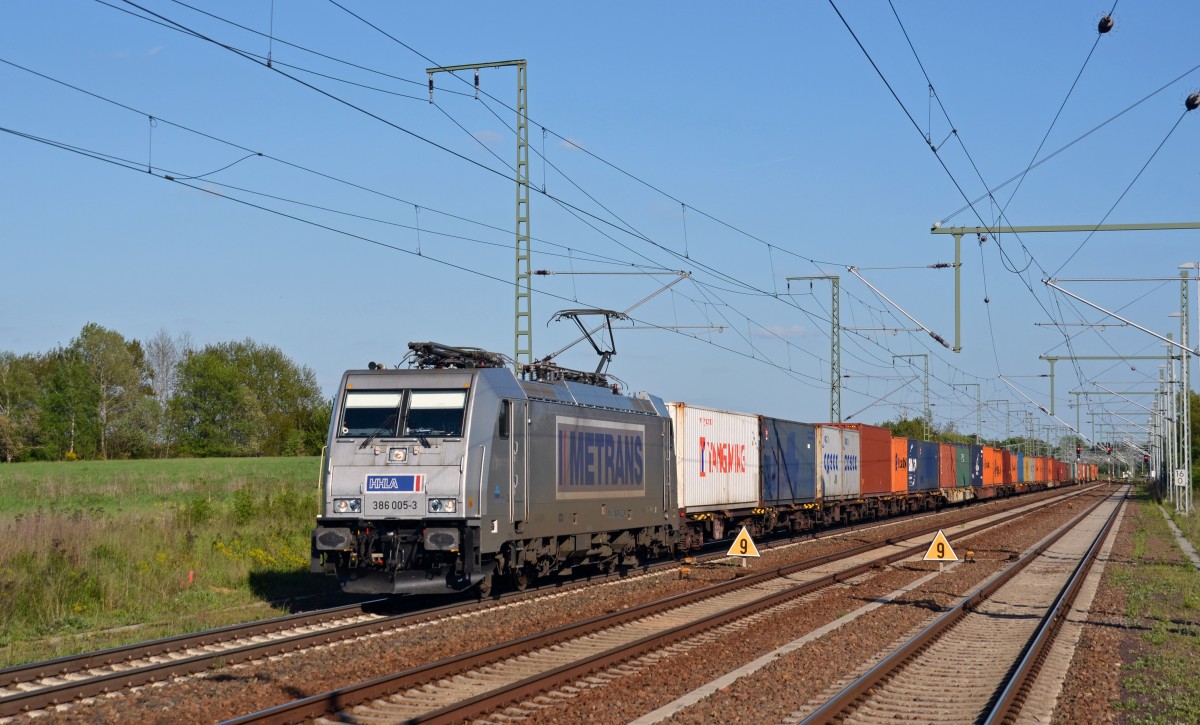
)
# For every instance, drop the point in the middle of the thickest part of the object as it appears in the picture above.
(992, 468)
(1009, 461)
(874, 458)
(899, 465)
(945, 465)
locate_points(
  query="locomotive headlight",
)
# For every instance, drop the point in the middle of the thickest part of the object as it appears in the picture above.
(442, 505)
(347, 505)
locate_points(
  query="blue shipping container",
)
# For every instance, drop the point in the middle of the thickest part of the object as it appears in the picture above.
(1020, 467)
(977, 466)
(928, 466)
(913, 448)
(789, 453)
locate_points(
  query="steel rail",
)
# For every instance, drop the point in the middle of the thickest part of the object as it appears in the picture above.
(839, 704)
(1035, 653)
(328, 703)
(18, 674)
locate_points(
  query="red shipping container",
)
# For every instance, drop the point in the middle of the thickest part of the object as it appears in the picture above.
(875, 458)
(945, 465)
(1009, 461)
(899, 465)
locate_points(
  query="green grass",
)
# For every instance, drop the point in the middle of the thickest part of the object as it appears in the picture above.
(1163, 604)
(103, 553)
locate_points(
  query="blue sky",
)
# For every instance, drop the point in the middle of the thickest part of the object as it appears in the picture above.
(741, 144)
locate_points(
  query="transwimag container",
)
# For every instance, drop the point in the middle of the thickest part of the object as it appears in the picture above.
(875, 458)
(899, 465)
(837, 462)
(789, 462)
(945, 465)
(928, 465)
(962, 465)
(716, 457)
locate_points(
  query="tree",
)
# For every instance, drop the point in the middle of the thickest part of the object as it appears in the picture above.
(116, 369)
(19, 410)
(246, 398)
(69, 404)
(163, 357)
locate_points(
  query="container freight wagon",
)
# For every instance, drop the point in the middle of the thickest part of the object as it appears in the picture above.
(874, 459)
(717, 461)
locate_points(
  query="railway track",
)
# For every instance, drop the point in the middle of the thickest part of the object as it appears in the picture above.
(978, 662)
(44, 685)
(523, 670)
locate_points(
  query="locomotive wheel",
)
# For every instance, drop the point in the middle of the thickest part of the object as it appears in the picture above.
(520, 579)
(485, 586)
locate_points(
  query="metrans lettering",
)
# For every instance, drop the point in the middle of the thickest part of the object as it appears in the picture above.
(599, 459)
(721, 457)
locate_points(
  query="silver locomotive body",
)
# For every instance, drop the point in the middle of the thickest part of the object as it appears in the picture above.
(436, 480)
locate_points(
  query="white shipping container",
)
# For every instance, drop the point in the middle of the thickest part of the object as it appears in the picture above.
(717, 457)
(851, 463)
(838, 452)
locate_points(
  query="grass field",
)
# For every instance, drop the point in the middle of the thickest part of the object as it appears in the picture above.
(95, 554)
(1163, 600)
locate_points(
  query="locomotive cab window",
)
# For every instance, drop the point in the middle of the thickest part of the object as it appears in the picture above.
(371, 413)
(505, 408)
(435, 413)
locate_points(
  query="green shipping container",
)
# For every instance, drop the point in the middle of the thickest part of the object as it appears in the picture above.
(962, 465)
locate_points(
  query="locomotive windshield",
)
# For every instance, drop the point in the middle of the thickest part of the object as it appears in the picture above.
(373, 413)
(435, 413)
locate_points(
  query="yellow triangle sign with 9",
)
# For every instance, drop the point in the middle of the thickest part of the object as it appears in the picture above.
(939, 549)
(743, 545)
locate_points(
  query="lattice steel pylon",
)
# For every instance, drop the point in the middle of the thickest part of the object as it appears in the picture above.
(835, 344)
(522, 286)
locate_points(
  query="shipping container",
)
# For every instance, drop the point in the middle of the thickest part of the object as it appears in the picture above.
(1009, 462)
(1028, 464)
(837, 449)
(928, 466)
(899, 465)
(875, 458)
(789, 462)
(914, 448)
(717, 457)
(1021, 468)
(851, 463)
(992, 468)
(945, 465)
(977, 466)
(962, 465)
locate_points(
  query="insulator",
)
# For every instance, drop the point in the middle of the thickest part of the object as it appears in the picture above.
(1106, 24)
(1192, 102)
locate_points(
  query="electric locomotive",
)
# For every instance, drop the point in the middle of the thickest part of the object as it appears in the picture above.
(454, 472)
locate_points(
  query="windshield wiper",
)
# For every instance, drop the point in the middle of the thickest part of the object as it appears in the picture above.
(390, 421)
